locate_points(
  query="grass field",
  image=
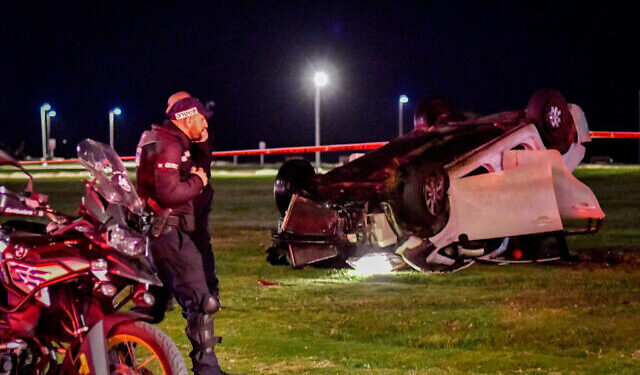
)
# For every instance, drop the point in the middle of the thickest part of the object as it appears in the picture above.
(525, 319)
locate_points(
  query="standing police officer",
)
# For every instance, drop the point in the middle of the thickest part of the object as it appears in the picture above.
(201, 237)
(169, 181)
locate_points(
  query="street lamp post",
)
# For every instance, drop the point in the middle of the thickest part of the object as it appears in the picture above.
(112, 113)
(50, 114)
(43, 127)
(320, 79)
(401, 101)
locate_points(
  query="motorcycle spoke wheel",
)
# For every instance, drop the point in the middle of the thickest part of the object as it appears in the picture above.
(134, 356)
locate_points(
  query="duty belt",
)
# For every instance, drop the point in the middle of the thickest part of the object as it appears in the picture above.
(173, 221)
(164, 219)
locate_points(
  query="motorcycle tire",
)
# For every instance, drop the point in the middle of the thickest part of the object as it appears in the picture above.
(135, 339)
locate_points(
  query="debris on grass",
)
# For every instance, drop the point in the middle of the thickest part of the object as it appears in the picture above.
(267, 283)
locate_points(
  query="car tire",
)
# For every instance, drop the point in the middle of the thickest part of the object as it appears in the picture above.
(278, 255)
(294, 177)
(424, 199)
(435, 111)
(549, 111)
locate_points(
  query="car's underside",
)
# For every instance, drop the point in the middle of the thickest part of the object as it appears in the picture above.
(496, 189)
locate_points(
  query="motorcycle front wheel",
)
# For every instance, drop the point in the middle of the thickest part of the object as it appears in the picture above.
(139, 348)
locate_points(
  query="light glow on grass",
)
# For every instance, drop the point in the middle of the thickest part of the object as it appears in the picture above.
(371, 264)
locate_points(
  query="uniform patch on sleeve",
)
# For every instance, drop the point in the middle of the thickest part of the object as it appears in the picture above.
(167, 166)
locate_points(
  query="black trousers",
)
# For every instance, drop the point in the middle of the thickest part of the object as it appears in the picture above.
(201, 237)
(179, 266)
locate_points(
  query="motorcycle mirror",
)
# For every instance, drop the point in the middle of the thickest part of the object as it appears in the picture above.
(6, 159)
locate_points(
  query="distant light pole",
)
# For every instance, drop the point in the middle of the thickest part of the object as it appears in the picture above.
(43, 126)
(50, 114)
(320, 79)
(401, 101)
(112, 113)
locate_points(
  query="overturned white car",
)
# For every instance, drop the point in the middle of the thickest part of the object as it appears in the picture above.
(452, 191)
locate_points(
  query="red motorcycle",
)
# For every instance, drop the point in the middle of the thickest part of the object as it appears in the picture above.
(64, 284)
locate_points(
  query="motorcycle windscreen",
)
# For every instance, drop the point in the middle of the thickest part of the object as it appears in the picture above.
(506, 203)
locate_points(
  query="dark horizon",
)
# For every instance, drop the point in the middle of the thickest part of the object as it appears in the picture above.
(256, 59)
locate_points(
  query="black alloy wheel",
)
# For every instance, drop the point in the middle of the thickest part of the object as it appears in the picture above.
(549, 111)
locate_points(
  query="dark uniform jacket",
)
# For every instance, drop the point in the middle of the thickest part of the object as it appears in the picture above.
(201, 154)
(164, 162)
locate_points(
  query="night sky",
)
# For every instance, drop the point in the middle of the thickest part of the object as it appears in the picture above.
(256, 59)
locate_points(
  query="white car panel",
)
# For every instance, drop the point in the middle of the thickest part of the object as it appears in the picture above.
(525, 197)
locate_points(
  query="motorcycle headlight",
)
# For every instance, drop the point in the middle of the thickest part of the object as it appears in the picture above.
(125, 241)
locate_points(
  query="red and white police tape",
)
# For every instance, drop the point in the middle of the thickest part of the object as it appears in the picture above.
(330, 148)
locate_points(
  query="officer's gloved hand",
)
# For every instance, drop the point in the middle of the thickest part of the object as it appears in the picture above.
(203, 137)
(200, 173)
(217, 298)
(211, 304)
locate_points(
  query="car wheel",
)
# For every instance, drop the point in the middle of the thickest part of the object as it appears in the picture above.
(425, 201)
(294, 177)
(278, 255)
(549, 111)
(433, 111)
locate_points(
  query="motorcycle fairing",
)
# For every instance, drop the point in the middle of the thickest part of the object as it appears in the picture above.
(27, 276)
(138, 271)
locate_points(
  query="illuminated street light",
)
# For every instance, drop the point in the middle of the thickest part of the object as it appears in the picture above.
(43, 126)
(320, 79)
(112, 113)
(49, 115)
(401, 101)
